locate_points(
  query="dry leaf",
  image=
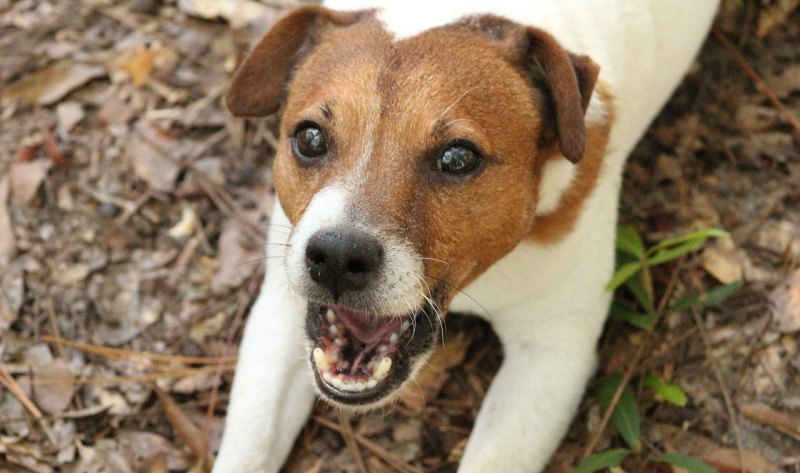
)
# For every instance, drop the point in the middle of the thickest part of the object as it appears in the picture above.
(774, 15)
(236, 262)
(434, 374)
(69, 114)
(786, 422)
(722, 261)
(49, 85)
(785, 304)
(237, 12)
(152, 153)
(26, 177)
(7, 244)
(139, 62)
(53, 398)
(186, 226)
(12, 290)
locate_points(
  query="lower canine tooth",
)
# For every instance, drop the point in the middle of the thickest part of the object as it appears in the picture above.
(393, 338)
(404, 326)
(383, 368)
(330, 316)
(321, 360)
(333, 330)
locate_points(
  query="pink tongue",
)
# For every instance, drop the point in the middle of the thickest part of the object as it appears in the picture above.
(368, 328)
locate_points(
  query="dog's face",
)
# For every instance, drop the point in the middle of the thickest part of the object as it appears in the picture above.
(408, 168)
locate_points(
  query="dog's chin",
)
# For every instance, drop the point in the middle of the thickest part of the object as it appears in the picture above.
(360, 360)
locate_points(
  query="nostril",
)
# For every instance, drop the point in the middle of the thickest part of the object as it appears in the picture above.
(357, 267)
(315, 257)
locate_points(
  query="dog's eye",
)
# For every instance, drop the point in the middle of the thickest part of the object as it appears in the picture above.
(309, 142)
(458, 160)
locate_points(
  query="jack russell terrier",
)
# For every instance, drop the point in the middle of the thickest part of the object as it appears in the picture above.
(429, 147)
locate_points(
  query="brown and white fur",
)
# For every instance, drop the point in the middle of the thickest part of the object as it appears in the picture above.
(552, 96)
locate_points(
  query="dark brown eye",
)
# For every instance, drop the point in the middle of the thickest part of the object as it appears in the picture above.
(309, 142)
(458, 160)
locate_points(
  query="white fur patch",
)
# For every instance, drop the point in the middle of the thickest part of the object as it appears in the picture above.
(558, 175)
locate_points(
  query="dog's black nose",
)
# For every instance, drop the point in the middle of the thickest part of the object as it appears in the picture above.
(343, 260)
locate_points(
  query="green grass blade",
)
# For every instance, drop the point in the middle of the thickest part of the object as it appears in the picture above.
(628, 241)
(625, 272)
(714, 296)
(601, 460)
(700, 235)
(690, 464)
(625, 417)
(671, 253)
(620, 312)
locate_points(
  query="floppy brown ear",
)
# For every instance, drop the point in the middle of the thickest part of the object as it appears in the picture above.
(570, 79)
(566, 79)
(258, 85)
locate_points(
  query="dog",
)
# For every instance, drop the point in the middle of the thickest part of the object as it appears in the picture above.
(435, 157)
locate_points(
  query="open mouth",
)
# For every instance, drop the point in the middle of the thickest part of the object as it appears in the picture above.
(360, 358)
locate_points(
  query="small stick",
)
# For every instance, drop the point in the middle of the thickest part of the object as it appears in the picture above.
(760, 84)
(390, 458)
(121, 353)
(350, 440)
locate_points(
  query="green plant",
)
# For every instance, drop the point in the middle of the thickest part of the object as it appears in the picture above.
(636, 303)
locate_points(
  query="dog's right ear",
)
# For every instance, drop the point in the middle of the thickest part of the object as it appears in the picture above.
(258, 85)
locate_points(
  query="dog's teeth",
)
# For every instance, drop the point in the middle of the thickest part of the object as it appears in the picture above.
(339, 341)
(404, 326)
(359, 386)
(383, 368)
(372, 383)
(330, 316)
(321, 360)
(333, 330)
(327, 376)
(393, 338)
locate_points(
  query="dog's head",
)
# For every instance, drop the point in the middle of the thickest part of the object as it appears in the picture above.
(407, 168)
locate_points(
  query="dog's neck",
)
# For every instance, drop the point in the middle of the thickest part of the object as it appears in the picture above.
(563, 186)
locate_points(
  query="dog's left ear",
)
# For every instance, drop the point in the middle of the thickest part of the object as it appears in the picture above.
(258, 85)
(566, 79)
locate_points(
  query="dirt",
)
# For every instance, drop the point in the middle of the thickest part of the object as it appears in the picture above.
(132, 217)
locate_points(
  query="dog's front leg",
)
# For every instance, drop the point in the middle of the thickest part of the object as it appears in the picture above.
(535, 394)
(272, 392)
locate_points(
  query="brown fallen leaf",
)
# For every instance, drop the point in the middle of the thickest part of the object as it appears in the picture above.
(53, 398)
(26, 177)
(786, 422)
(721, 261)
(149, 150)
(434, 374)
(49, 85)
(139, 62)
(785, 304)
(726, 460)
(237, 262)
(8, 244)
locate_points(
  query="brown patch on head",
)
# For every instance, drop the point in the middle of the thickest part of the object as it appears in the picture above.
(390, 109)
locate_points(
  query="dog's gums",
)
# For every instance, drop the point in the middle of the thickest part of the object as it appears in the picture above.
(359, 358)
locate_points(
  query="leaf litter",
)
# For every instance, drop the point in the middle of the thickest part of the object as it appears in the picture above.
(128, 200)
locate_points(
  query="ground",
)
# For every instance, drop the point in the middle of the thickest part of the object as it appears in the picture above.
(132, 212)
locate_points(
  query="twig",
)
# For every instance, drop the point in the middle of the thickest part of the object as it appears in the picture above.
(137, 378)
(121, 353)
(722, 386)
(350, 440)
(11, 384)
(185, 428)
(634, 364)
(390, 458)
(760, 84)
